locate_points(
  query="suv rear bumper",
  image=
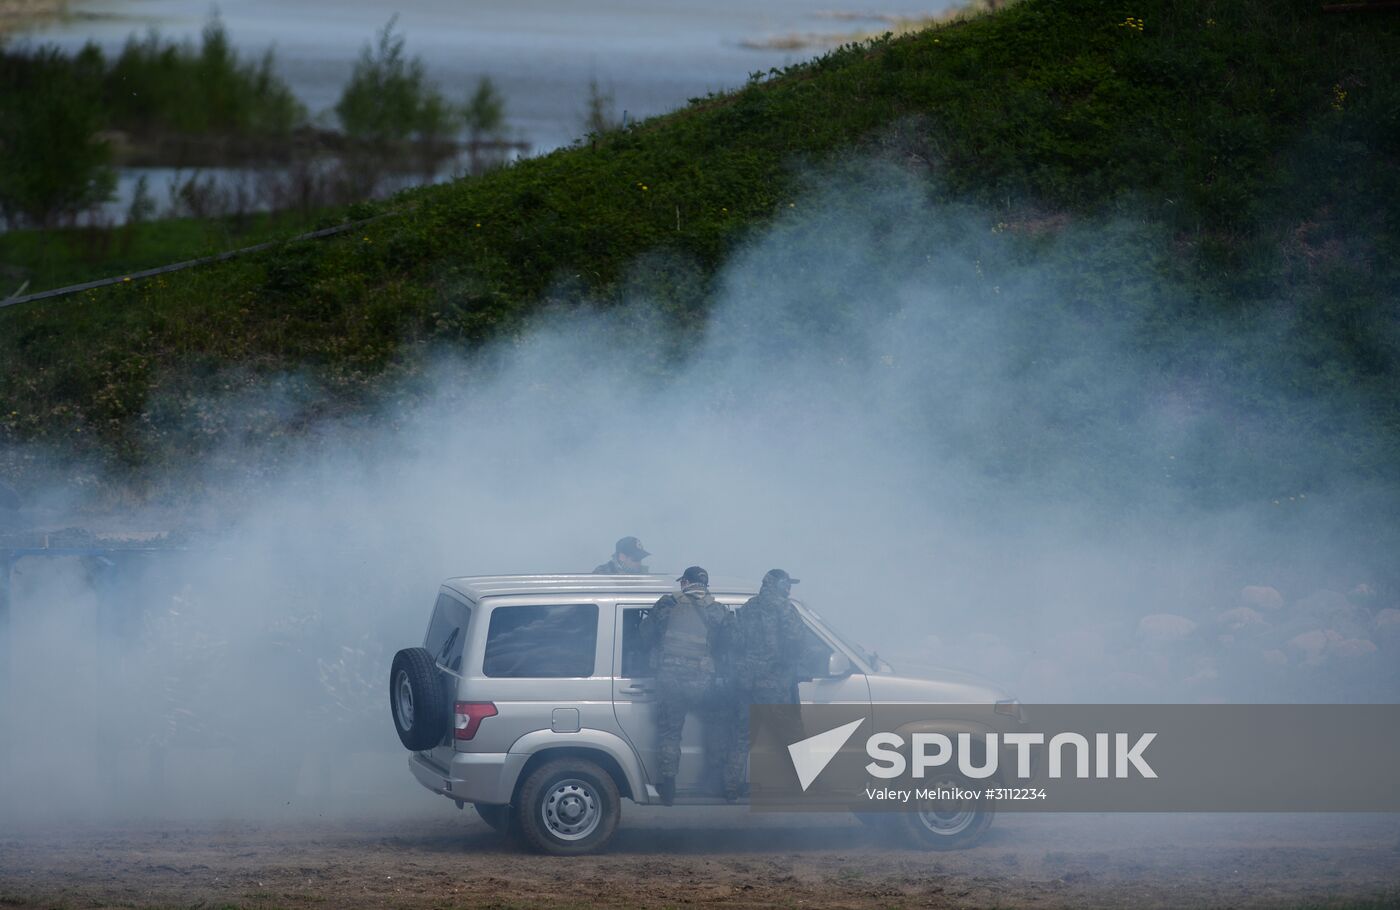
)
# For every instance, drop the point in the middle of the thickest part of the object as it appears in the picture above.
(472, 777)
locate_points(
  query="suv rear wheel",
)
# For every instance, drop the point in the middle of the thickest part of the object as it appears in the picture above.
(417, 699)
(568, 807)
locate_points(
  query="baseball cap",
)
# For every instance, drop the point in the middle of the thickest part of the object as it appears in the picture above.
(778, 575)
(696, 575)
(631, 546)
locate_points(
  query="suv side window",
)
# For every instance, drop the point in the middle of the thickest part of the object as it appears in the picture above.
(635, 662)
(447, 631)
(542, 642)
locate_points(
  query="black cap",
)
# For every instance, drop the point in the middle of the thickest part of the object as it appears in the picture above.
(631, 546)
(778, 575)
(695, 575)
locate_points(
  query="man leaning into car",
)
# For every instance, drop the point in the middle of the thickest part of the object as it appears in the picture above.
(683, 633)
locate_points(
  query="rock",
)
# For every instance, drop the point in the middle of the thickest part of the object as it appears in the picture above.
(1164, 628)
(1261, 597)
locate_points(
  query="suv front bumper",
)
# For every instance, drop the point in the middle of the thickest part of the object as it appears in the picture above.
(472, 777)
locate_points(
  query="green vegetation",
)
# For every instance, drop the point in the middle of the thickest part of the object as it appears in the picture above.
(50, 102)
(389, 98)
(485, 112)
(59, 257)
(54, 108)
(157, 87)
(64, 121)
(1254, 144)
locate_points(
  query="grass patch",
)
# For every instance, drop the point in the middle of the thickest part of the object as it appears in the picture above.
(1259, 139)
(58, 258)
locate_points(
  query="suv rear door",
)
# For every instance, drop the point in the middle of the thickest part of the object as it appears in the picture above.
(447, 633)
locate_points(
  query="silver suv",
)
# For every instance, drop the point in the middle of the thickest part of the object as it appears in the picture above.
(531, 700)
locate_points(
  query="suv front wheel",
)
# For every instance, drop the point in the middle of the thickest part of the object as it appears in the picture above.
(950, 824)
(568, 807)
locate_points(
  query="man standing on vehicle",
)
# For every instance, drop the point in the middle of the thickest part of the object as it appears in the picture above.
(626, 559)
(683, 632)
(772, 650)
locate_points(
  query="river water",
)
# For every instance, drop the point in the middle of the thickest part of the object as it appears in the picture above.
(652, 54)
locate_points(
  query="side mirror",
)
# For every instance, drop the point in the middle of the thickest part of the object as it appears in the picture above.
(839, 664)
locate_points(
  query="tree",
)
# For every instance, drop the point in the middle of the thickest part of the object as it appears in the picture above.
(600, 112)
(389, 98)
(387, 102)
(484, 115)
(50, 113)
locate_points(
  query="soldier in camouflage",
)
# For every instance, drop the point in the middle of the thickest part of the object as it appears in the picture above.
(684, 633)
(771, 653)
(626, 559)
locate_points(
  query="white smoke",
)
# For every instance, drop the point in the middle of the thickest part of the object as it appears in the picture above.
(938, 421)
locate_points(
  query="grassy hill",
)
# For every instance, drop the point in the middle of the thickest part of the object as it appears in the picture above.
(1259, 138)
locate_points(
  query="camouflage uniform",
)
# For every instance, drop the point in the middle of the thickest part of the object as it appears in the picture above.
(682, 632)
(771, 656)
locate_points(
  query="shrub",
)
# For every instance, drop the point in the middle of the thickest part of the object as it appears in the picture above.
(389, 97)
(157, 85)
(50, 113)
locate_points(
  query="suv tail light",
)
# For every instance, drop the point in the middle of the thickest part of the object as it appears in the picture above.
(467, 717)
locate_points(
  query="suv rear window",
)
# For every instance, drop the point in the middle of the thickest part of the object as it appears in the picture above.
(542, 642)
(447, 631)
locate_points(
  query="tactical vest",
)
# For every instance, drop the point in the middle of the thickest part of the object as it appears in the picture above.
(686, 635)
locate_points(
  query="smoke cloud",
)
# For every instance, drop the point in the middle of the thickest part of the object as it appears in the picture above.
(944, 422)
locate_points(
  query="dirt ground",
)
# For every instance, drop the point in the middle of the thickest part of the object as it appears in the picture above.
(683, 857)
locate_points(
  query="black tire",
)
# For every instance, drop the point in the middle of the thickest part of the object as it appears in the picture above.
(498, 817)
(952, 826)
(567, 807)
(417, 699)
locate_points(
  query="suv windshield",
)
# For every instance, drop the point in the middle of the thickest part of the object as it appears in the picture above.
(870, 658)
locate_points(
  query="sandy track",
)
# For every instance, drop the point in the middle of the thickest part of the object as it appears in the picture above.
(683, 856)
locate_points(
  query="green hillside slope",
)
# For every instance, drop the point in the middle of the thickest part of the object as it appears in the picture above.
(1261, 138)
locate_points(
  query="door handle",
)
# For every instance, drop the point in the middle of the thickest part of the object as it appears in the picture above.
(636, 689)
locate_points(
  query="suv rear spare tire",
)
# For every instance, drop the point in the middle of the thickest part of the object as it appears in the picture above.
(568, 807)
(417, 699)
